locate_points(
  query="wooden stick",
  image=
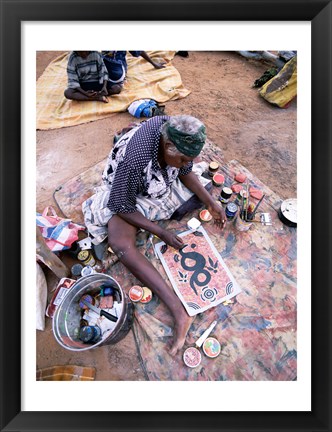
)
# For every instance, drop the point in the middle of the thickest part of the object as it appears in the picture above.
(49, 258)
(246, 215)
(258, 204)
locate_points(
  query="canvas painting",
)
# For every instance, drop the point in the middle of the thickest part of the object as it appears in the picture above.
(197, 272)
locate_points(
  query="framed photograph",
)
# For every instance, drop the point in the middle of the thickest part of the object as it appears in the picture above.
(122, 406)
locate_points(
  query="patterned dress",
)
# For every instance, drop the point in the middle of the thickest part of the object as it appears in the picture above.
(134, 181)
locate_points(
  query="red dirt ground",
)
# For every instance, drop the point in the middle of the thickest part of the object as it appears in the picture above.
(247, 128)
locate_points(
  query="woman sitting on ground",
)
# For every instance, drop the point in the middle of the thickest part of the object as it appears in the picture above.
(87, 77)
(147, 177)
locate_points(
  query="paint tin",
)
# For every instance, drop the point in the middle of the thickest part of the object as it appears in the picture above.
(76, 270)
(231, 210)
(136, 293)
(86, 271)
(218, 180)
(147, 295)
(192, 357)
(241, 197)
(86, 257)
(213, 168)
(90, 334)
(211, 347)
(241, 224)
(205, 215)
(225, 195)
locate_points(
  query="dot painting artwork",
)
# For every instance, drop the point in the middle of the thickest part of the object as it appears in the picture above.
(197, 272)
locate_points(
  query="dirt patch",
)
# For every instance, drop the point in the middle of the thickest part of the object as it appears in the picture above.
(247, 128)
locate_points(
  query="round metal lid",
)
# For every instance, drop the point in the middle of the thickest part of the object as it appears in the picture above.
(289, 209)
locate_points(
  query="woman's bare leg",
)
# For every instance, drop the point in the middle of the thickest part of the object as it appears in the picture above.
(122, 239)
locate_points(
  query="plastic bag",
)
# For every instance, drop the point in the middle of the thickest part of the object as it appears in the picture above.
(282, 89)
(59, 233)
(145, 108)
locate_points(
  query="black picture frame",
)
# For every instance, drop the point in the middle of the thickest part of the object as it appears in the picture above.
(13, 12)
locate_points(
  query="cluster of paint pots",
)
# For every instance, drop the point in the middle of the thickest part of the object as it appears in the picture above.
(192, 356)
(140, 294)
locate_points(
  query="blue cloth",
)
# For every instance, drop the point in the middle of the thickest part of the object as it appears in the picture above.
(116, 63)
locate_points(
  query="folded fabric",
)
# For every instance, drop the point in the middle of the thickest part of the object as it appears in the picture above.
(66, 373)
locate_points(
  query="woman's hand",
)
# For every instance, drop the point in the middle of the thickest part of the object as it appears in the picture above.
(171, 239)
(218, 214)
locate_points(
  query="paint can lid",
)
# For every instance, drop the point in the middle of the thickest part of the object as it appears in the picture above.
(218, 179)
(211, 347)
(147, 295)
(76, 269)
(86, 271)
(136, 293)
(205, 215)
(289, 210)
(83, 255)
(192, 357)
(226, 192)
(214, 165)
(232, 207)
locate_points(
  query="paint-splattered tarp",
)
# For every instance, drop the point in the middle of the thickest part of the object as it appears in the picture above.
(54, 111)
(258, 331)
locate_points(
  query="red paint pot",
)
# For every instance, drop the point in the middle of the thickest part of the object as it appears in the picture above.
(136, 293)
(147, 295)
(218, 179)
(192, 357)
(205, 216)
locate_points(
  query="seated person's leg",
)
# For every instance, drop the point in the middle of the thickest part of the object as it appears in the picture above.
(70, 93)
(114, 88)
(74, 94)
(122, 239)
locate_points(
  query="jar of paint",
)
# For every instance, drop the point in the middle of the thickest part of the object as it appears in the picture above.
(147, 295)
(76, 270)
(218, 179)
(86, 258)
(205, 215)
(225, 194)
(241, 197)
(231, 210)
(192, 357)
(211, 347)
(213, 168)
(136, 293)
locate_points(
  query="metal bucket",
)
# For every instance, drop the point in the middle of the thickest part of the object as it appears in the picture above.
(66, 320)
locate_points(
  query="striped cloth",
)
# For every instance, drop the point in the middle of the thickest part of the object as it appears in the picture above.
(66, 373)
(89, 69)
